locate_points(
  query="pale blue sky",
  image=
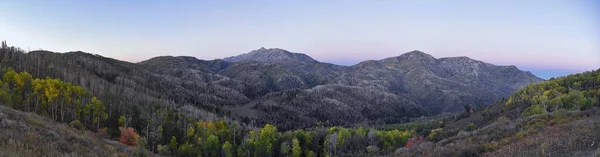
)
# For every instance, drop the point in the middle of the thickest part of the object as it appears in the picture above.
(547, 37)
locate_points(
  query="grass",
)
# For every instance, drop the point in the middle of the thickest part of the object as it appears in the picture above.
(560, 133)
(26, 134)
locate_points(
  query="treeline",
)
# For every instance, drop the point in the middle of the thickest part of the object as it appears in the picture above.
(62, 101)
(573, 92)
(222, 139)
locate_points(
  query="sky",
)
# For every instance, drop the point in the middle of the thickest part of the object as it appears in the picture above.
(547, 37)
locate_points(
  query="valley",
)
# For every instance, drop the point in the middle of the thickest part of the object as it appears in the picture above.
(272, 102)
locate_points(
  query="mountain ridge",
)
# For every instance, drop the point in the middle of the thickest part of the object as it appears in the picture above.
(283, 91)
(406, 74)
(270, 58)
(275, 55)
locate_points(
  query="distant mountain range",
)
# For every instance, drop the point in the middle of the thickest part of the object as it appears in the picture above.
(286, 88)
(290, 90)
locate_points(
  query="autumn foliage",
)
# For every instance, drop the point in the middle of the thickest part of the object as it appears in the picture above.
(128, 136)
(414, 141)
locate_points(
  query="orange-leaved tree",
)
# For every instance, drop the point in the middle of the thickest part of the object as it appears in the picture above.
(128, 136)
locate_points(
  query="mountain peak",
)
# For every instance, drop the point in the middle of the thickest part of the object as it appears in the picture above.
(417, 51)
(414, 55)
(270, 55)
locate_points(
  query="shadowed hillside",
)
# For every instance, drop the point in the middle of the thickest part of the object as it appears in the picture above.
(558, 117)
(26, 134)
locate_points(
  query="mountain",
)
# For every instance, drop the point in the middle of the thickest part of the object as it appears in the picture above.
(293, 92)
(290, 90)
(445, 84)
(270, 55)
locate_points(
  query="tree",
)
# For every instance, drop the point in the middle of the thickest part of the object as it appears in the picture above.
(296, 149)
(122, 121)
(173, 144)
(388, 140)
(343, 135)
(330, 144)
(268, 135)
(186, 150)
(190, 132)
(5, 93)
(98, 111)
(227, 149)
(310, 153)
(51, 93)
(212, 145)
(285, 148)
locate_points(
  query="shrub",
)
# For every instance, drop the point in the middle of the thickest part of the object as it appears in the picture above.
(435, 134)
(491, 146)
(128, 136)
(472, 126)
(503, 119)
(414, 141)
(561, 118)
(533, 110)
(372, 149)
(76, 124)
(537, 122)
(163, 150)
(33, 122)
(523, 133)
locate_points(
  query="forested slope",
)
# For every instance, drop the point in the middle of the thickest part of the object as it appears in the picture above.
(558, 117)
(126, 95)
(182, 106)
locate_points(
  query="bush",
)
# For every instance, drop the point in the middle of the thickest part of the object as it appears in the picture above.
(533, 110)
(414, 142)
(472, 126)
(491, 146)
(128, 136)
(372, 149)
(560, 118)
(524, 133)
(163, 150)
(77, 125)
(435, 134)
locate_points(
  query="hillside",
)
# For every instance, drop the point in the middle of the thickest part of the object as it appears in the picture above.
(26, 134)
(558, 117)
(445, 84)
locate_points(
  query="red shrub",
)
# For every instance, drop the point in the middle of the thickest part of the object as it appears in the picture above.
(128, 136)
(414, 141)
